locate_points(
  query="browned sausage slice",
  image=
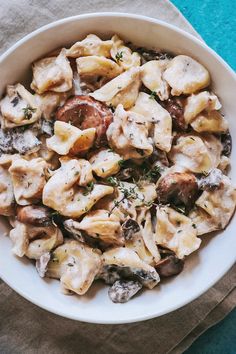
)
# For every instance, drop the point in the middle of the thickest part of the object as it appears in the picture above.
(86, 112)
(178, 189)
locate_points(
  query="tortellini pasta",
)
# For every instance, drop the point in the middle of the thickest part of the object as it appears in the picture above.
(28, 179)
(185, 75)
(91, 45)
(69, 139)
(6, 192)
(52, 74)
(105, 163)
(19, 107)
(176, 232)
(195, 153)
(128, 134)
(219, 204)
(76, 265)
(103, 225)
(152, 78)
(159, 120)
(34, 241)
(121, 90)
(62, 191)
(123, 54)
(97, 65)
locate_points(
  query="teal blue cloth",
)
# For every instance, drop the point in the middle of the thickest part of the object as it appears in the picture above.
(215, 21)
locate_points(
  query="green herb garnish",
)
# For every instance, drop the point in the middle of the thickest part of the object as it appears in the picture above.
(119, 56)
(28, 111)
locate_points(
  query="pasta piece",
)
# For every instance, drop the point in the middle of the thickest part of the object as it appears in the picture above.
(49, 102)
(69, 139)
(19, 107)
(159, 119)
(102, 225)
(52, 74)
(105, 163)
(129, 265)
(152, 78)
(6, 192)
(34, 241)
(63, 194)
(196, 154)
(76, 265)
(185, 75)
(128, 134)
(219, 203)
(210, 122)
(123, 89)
(123, 55)
(97, 65)
(176, 232)
(91, 45)
(195, 104)
(203, 222)
(28, 178)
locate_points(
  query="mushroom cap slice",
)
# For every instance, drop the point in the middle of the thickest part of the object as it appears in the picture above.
(76, 265)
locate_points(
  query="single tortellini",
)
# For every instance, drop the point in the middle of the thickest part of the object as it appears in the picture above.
(185, 75)
(210, 122)
(49, 101)
(121, 90)
(102, 225)
(97, 65)
(196, 103)
(64, 194)
(176, 232)
(76, 265)
(90, 45)
(19, 107)
(159, 119)
(33, 241)
(28, 178)
(123, 55)
(197, 154)
(125, 258)
(105, 162)
(128, 134)
(7, 199)
(52, 74)
(70, 139)
(152, 77)
(219, 203)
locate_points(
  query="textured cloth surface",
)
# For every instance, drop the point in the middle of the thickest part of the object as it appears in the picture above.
(25, 328)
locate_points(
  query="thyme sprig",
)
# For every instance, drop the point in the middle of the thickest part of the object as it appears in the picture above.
(28, 111)
(119, 56)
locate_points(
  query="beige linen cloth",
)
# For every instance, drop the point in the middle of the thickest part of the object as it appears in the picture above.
(25, 328)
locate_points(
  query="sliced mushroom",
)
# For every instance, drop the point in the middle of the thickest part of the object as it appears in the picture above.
(152, 54)
(76, 265)
(122, 290)
(130, 266)
(169, 266)
(71, 226)
(130, 227)
(226, 141)
(175, 106)
(178, 189)
(85, 112)
(34, 215)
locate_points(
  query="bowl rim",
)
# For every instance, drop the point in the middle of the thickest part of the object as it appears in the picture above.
(137, 318)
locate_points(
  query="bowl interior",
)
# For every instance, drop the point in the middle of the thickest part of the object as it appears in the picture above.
(202, 268)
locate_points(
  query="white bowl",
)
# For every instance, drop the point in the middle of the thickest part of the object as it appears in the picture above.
(217, 253)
